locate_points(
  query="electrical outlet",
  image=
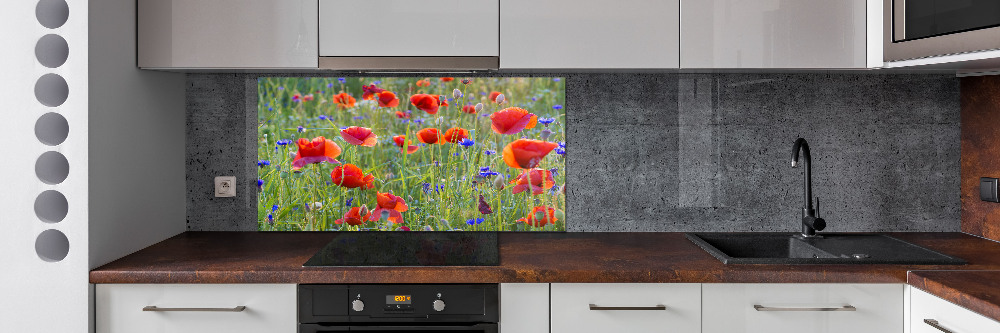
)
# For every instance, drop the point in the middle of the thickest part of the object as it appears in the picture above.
(225, 186)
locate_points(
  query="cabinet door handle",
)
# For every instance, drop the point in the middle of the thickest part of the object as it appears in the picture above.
(759, 307)
(629, 308)
(937, 325)
(233, 309)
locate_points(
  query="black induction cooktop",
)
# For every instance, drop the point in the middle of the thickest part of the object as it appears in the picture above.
(416, 248)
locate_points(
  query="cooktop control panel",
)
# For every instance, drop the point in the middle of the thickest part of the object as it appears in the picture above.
(404, 302)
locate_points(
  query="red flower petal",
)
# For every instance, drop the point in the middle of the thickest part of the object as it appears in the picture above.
(359, 136)
(512, 120)
(526, 153)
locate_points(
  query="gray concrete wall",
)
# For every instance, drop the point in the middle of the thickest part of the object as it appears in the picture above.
(684, 152)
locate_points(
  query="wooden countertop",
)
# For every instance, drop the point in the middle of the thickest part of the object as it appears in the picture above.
(978, 291)
(275, 257)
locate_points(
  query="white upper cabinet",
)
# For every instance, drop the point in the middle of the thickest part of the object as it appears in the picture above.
(227, 34)
(407, 28)
(780, 33)
(570, 34)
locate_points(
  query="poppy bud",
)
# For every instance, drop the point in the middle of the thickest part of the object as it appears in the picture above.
(466, 81)
(498, 183)
(500, 99)
(385, 214)
(545, 134)
(456, 94)
(479, 107)
(317, 205)
(364, 210)
(291, 154)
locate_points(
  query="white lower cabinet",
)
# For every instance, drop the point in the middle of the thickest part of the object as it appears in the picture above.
(625, 307)
(196, 308)
(930, 314)
(524, 307)
(802, 308)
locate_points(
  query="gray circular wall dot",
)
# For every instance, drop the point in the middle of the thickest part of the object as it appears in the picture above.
(51, 90)
(51, 129)
(52, 13)
(52, 167)
(51, 206)
(51, 51)
(52, 245)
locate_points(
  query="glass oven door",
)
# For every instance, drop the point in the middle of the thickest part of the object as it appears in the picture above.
(473, 328)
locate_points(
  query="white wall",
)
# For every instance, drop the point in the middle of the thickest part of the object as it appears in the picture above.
(137, 128)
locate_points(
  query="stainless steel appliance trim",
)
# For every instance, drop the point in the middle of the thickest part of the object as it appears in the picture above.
(627, 308)
(759, 307)
(420, 64)
(898, 19)
(934, 323)
(962, 42)
(158, 309)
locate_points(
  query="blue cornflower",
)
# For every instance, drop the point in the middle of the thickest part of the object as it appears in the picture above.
(283, 142)
(483, 93)
(467, 142)
(554, 171)
(560, 151)
(301, 129)
(270, 218)
(342, 80)
(485, 172)
(546, 121)
(489, 152)
(322, 117)
(267, 104)
(330, 85)
(557, 107)
(474, 221)
(260, 183)
(419, 121)
(274, 208)
(456, 154)
(427, 187)
(270, 109)
(556, 79)
(349, 201)
(359, 117)
(281, 88)
(534, 99)
(377, 82)
(562, 145)
(263, 163)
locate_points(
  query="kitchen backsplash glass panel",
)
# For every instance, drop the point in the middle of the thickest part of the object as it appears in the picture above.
(411, 153)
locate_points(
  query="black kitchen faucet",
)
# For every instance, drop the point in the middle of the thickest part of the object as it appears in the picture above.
(810, 222)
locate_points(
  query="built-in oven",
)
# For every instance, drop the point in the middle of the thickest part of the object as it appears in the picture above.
(927, 28)
(465, 308)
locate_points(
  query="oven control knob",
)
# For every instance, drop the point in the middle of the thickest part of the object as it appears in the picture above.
(358, 305)
(439, 305)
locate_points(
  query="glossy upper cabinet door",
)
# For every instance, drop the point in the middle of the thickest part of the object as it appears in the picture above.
(774, 34)
(589, 34)
(227, 34)
(408, 28)
(802, 308)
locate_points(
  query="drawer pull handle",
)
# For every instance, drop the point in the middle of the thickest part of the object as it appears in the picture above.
(233, 309)
(759, 307)
(628, 308)
(935, 324)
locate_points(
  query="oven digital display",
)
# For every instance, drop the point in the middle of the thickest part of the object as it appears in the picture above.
(397, 299)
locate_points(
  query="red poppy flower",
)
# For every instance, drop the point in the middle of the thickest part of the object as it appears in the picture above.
(540, 216)
(403, 115)
(353, 217)
(370, 91)
(484, 208)
(537, 180)
(425, 102)
(307, 98)
(344, 100)
(399, 140)
(429, 135)
(470, 109)
(387, 99)
(512, 120)
(456, 134)
(493, 96)
(423, 83)
(318, 150)
(447, 79)
(350, 176)
(359, 136)
(466, 81)
(388, 203)
(526, 153)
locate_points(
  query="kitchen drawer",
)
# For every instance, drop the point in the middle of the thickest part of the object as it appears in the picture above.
(269, 308)
(949, 316)
(642, 307)
(730, 308)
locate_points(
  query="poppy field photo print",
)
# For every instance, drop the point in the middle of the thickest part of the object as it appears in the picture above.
(411, 154)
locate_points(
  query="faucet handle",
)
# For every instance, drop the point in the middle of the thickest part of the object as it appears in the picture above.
(817, 206)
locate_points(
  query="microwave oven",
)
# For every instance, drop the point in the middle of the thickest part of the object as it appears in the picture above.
(915, 29)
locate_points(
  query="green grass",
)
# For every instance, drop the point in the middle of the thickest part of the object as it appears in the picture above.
(450, 171)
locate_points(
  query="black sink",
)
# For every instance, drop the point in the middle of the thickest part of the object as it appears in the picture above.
(787, 248)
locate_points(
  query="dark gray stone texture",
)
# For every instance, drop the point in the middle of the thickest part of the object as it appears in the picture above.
(684, 152)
